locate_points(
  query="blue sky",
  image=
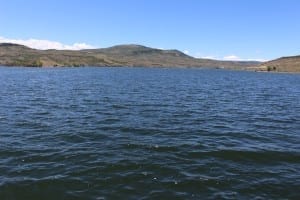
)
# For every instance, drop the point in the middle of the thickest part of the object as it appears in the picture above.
(222, 29)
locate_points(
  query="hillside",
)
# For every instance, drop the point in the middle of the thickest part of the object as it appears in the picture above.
(18, 55)
(121, 55)
(284, 64)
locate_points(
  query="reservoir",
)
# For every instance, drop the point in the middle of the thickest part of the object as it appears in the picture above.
(148, 133)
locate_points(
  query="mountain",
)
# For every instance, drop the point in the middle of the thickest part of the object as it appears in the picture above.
(284, 64)
(121, 55)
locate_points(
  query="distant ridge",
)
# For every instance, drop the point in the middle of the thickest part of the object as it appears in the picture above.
(133, 49)
(11, 45)
(120, 55)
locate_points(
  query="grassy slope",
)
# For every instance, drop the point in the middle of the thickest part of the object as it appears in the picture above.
(284, 64)
(122, 55)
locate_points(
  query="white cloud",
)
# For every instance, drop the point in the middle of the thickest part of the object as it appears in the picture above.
(46, 44)
(232, 57)
(186, 52)
(209, 57)
(203, 56)
(237, 58)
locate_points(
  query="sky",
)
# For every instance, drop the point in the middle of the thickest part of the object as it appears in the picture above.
(218, 29)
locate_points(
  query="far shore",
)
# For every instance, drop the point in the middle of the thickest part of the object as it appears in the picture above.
(153, 67)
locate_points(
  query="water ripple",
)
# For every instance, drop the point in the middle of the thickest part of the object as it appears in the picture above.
(137, 133)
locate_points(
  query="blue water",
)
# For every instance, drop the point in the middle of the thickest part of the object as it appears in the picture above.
(146, 133)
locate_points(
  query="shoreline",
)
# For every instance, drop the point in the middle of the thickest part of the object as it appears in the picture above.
(153, 67)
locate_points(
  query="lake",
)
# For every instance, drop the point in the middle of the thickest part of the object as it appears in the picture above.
(148, 133)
